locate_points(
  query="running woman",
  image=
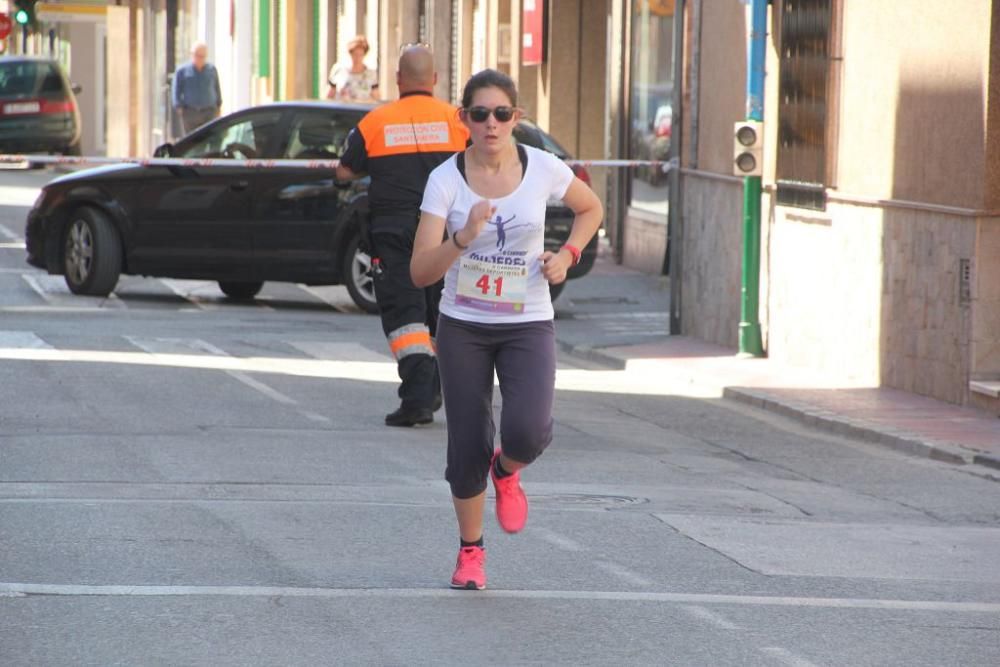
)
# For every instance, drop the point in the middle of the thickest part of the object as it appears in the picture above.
(496, 313)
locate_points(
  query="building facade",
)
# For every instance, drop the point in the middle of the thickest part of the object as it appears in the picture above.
(881, 235)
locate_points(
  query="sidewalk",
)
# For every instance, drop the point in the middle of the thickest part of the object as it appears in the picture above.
(618, 318)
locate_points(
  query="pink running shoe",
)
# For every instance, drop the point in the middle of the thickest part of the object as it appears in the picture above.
(470, 570)
(512, 504)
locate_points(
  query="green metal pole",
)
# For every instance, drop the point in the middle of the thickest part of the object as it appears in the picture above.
(751, 342)
(750, 339)
(317, 69)
(264, 38)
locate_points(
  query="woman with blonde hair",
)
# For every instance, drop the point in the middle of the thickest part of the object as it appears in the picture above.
(354, 81)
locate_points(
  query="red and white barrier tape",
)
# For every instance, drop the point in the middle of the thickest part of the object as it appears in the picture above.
(267, 164)
(171, 161)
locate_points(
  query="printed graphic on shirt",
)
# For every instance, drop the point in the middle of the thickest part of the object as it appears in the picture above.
(503, 227)
(416, 134)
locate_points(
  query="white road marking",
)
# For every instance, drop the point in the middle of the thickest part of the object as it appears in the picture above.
(402, 593)
(332, 351)
(34, 284)
(169, 346)
(22, 340)
(181, 290)
(556, 539)
(328, 299)
(713, 617)
(13, 245)
(262, 388)
(316, 417)
(786, 657)
(19, 195)
(623, 573)
(53, 289)
(211, 293)
(9, 235)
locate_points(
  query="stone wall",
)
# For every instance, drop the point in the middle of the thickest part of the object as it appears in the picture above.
(711, 259)
(925, 323)
(645, 241)
(985, 344)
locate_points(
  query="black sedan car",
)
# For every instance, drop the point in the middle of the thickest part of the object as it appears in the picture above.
(238, 226)
(38, 110)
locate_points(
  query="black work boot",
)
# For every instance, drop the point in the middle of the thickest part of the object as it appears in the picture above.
(409, 416)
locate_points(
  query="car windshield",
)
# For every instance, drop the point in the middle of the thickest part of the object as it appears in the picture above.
(246, 137)
(29, 78)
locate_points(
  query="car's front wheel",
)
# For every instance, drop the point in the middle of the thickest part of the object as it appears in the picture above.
(92, 253)
(357, 276)
(240, 291)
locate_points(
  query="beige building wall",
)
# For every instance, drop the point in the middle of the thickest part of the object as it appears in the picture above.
(118, 86)
(913, 104)
(869, 291)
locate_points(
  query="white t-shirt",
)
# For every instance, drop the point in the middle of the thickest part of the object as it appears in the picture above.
(499, 278)
(353, 86)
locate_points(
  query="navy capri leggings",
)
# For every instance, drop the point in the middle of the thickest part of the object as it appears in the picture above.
(524, 358)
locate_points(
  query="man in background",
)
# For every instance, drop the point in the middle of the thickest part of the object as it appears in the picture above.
(196, 94)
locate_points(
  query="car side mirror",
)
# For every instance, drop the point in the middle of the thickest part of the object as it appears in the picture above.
(77, 89)
(164, 150)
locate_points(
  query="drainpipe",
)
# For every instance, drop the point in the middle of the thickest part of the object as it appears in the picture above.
(672, 260)
(751, 343)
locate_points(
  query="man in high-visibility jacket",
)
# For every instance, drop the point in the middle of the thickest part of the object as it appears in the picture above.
(398, 145)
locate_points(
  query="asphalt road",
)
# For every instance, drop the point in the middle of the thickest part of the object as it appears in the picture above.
(185, 481)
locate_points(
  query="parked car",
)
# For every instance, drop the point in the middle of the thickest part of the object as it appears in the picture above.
(38, 109)
(238, 226)
(653, 143)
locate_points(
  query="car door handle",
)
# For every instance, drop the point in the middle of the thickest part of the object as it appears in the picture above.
(239, 186)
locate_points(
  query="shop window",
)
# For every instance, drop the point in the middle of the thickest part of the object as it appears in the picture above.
(651, 79)
(803, 105)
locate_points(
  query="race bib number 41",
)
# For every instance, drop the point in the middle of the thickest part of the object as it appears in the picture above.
(492, 287)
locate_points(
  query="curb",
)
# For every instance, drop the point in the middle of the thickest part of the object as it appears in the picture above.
(593, 354)
(825, 420)
(861, 430)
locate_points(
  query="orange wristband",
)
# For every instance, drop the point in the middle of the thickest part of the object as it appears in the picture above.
(573, 250)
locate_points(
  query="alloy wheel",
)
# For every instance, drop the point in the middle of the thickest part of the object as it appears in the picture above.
(79, 251)
(361, 275)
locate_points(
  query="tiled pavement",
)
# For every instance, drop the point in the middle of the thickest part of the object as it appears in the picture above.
(618, 318)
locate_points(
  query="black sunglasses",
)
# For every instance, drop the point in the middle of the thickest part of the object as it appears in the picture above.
(480, 114)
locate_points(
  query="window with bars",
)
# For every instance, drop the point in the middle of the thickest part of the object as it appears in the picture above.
(803, 105)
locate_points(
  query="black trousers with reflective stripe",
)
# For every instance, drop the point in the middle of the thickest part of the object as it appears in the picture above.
(402, 304)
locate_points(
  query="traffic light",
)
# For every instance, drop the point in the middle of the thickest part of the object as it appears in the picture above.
(24, 12)
(748, 145)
